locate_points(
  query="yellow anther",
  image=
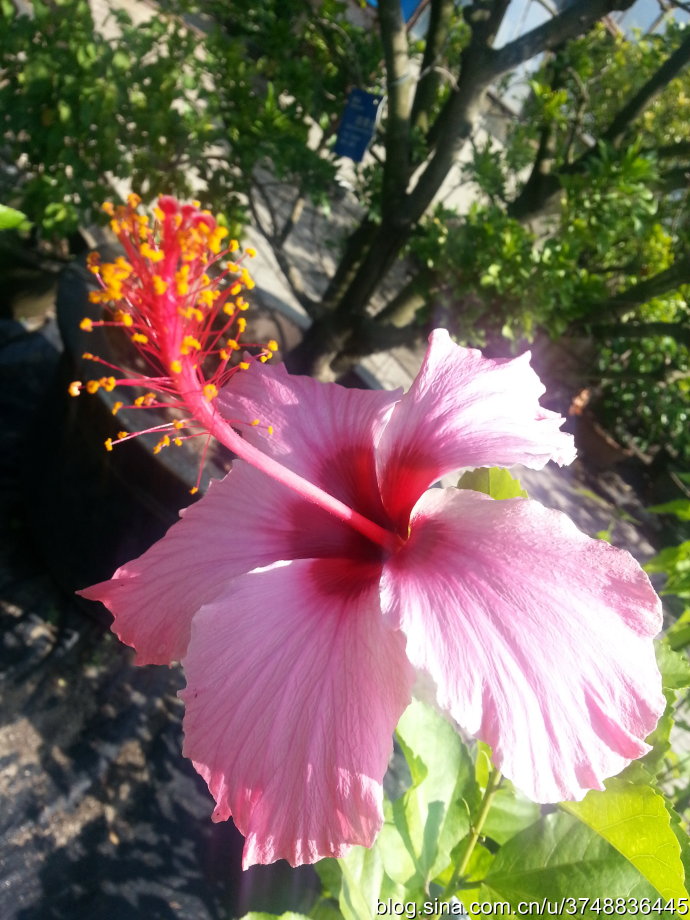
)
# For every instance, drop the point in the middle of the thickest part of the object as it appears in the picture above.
(210, 391)
(122, 434)
(158, 214)
(124, 318)
(205, 280)
(74, 388)
(224, 355)
(93, 260)
(207, 297)
(272, 345)
(139, 338)
(216, 239)
(177, 442)
(251, 252)
(108, 383)
(133, 200)
(148, 252)
(178, 424)
(242, 304)
(241, 324)
(176, 366)
(189, 343)
(263, 358)
(229, 309)
(86, 324)
(243, 365)
(159, 286)
(108, 208)
(87, 356)
(254, 422)
(193, 490)
(232, 266)
(268, 355)
(117, 407)
(121, 267)
(92, 386)
(139, 401)
(108, 443)
(196, 203)
(270, 429)
(234, 344)
(233, 246)
(164, 442)
(247, 280)
(235, 288)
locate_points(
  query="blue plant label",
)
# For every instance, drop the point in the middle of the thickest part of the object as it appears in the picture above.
(357, 125)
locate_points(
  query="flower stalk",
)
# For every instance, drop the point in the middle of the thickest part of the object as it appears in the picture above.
(492, 786)
(177, 294)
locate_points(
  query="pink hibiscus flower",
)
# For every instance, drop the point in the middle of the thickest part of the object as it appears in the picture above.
(301, 638)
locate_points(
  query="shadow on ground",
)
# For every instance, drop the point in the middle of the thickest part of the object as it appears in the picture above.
(100, 816)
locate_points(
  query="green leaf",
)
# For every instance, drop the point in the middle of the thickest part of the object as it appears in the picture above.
(680, 507)
(634, 820)
(493, 481)
(674, 666)
(477, 870)
(13, 220)
(362, 881)
(674, 562)
(510, 813)
(678, 636)
(558, 858)
(429, 820)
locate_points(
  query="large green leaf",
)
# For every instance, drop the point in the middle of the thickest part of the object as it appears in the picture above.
(674, 562)
(510, 813)
(634, 820)
(429, 820)
(674, 666)
(362, 881)
(678, 635)
(560, 858)
(12, 220)
(493, 481)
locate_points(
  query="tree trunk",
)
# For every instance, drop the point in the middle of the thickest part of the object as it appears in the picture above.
(329, 332)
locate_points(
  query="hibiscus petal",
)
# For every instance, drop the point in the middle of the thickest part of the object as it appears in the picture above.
(537, 637)
(244, 521)
(323, 431)
(462, 411)
(294, 688)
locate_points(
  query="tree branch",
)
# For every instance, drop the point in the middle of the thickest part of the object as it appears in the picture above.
(399, 83)
(642, 292)
(573, 21)
(632, 110)
(678, 331)
(289, 272)
(670, 151)
(456, 120)
(531, 200)
(440, 17)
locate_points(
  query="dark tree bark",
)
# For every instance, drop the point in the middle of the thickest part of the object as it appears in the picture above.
(372, 249)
